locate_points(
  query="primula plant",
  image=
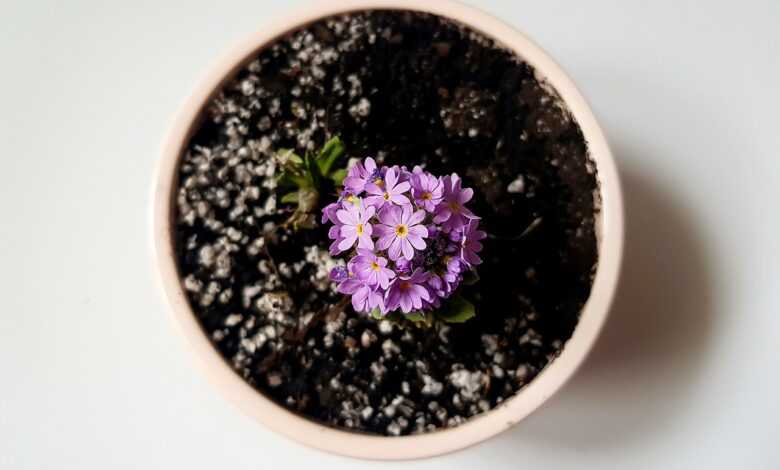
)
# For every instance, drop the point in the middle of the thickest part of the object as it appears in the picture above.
(409, 241)
(307, 178)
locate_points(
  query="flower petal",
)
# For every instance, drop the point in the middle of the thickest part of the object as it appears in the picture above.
(465, 195)
(395, 249)
(369, 165)
(348, 231)
(365, 242)
(406, 303)
(406, 248)
(421, 291)
(402, 187)
(347, 217)
(467, 213)
(442, 215)
(334, 247)
(400, 199)
(393, 215)
(406, 214)
(416, 241)
(419, 230)
(355, 184)
(369, 212)
(385, 241)
(391, 302)
(391, 177)
(381, 230)
(416, 217)
(347, 243)
(372, 188)
(349, 286)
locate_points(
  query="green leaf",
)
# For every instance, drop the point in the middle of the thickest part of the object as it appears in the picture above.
(470, 278)
(338, 176)
(415, 316)
(290, 198)
(308, 200)
(456, 310)
(312, 170)
(419, 319)
(330, 152)
(376, 314)
(289, 158)
(299, 220)
(288, 179)
(306, 221)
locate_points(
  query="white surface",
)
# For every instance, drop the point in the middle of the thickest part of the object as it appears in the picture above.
(686, 375)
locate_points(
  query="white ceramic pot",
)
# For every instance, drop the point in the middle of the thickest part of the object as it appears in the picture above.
(476, 429)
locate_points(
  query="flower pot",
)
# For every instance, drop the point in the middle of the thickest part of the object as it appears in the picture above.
(609, 229)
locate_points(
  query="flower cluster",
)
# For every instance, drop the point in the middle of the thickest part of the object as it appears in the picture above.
(409, 237)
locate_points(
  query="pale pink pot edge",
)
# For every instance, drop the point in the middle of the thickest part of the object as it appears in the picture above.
(477, 429)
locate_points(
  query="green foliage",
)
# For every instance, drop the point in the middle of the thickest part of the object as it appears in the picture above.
(305, 178)
(376, 314)
(456, 309)
(470, 277)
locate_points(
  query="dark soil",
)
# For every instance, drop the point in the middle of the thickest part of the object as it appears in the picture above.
(408, 89)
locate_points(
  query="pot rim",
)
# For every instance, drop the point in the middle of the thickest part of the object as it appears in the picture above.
(610, 227)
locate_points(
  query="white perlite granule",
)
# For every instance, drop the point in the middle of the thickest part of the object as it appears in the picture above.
(468, 383)
(517, 185)
(431, 386)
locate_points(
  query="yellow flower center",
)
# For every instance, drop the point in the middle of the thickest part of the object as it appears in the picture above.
(405, 285)
(379, 182)
(374, 266)
(427, 196)
(386, 195)
(401, 230)
(359, 228)
(454, 207)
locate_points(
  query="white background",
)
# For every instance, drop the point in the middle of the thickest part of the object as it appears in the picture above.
(92, 374)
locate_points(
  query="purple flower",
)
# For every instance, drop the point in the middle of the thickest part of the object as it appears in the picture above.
(371, 268)
(364, 298)
(403, 173)
(400, 231)
(427, 190)
(403, 266)
(453, 269)
(329, 212)
(346, 199)
(402, 258)
(451, 212)
(389, 191)
(445, 280)
(470, 243)
(356, 227)
(360, 175)
(339, 273)
(334, 233)
(408, 292)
